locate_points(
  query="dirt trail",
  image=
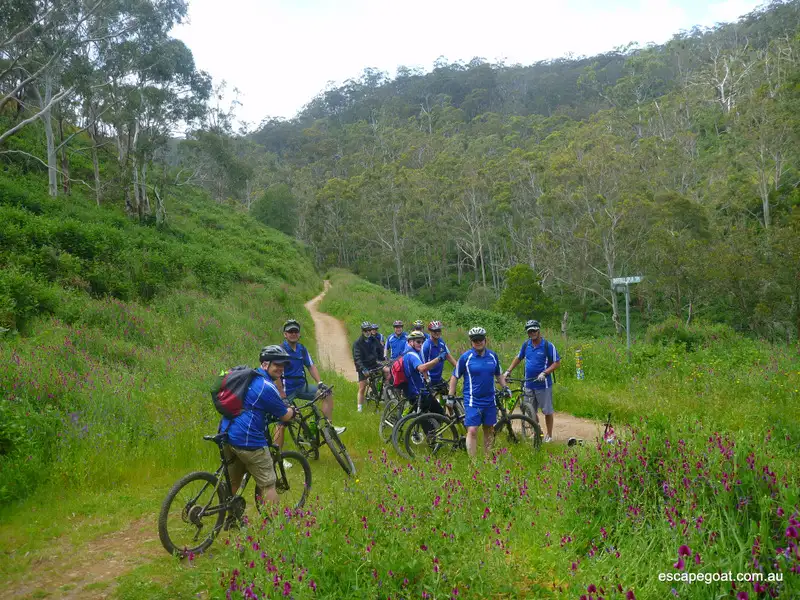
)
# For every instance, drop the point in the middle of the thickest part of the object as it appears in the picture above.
(335, 354)
(333, 350)
(89, 572)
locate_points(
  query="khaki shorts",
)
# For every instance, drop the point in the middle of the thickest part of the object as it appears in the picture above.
(256, 462)
(544, 399)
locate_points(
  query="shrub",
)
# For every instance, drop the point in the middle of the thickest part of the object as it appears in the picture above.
(675, 331)
(523, 296)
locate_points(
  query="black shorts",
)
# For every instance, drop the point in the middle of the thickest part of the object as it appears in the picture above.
(361, 376)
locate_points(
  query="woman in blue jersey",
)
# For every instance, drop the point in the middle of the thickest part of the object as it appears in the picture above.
(479, 367)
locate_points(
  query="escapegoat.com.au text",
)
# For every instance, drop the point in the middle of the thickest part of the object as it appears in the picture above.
(686, 577)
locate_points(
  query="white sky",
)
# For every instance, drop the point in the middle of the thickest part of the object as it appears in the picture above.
(281, 53)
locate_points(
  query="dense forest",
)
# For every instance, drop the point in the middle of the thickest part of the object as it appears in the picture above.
(678, 162)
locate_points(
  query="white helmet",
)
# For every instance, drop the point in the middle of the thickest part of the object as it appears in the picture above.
(476, 332)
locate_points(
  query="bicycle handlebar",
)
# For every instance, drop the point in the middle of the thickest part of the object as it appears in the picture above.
(320, 394)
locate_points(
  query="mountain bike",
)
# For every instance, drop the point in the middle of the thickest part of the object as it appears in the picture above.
(431, 433)
(195, 509)
(411, 409)
(376, 391)
(311, 428)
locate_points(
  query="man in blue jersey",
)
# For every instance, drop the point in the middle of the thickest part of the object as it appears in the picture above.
(479, 367)
(415, 370)
(293, 384)
(396, 342)
(247, 447)
(434, 347)
(541, 359)
(379, 337)
(420, 326)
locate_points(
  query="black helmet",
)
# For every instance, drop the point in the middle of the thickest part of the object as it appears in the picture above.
(366, 326)
(274, 354)
(291, 324)
(532, 325)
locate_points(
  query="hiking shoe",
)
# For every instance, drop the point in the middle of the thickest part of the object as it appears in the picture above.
(360, 408)
(547, 439)
(287, 464)
(339, 430)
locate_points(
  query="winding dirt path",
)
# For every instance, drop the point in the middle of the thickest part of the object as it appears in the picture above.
(333, 350)
(335, 354)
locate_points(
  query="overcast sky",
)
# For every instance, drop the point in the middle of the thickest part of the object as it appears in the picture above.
(281, 53)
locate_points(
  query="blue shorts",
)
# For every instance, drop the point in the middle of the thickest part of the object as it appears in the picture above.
(480, 415)
(304, 392)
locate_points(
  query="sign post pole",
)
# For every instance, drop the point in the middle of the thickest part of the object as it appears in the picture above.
(623, 284)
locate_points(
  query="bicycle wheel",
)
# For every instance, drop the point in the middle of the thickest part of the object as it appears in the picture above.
(304, 440)
(392, 411)
(192, 514)
(518, 429)
(338, 450)
(429, 434)
(292, 483)
(398, 432)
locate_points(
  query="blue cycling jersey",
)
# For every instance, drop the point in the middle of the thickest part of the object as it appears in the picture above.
(478, 371)
(248, 429)
(294, 375)
(536, 361)
(431, 350)
(395, 345)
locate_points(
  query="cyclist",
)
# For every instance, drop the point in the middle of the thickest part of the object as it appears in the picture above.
(415, 369)
(433, 347)
(294, 384)
(365, 357)
(541, 359)
(396, 342)
(420, 326)
(479, 367)
(378, 336)
(247, 444)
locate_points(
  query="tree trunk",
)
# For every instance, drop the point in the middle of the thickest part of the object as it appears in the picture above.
(47, 119)
(65, 182)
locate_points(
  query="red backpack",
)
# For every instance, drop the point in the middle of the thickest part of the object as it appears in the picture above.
(398, 372)
(230, 388)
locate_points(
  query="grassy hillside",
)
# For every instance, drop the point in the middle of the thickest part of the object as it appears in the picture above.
(113, 328)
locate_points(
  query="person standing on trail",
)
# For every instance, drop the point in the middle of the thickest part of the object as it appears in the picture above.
(420, 326)
(479, 367)
(395, 343)
(379, 337)
(541, 359)
(365, 357)
(293, 384)
(434, 347)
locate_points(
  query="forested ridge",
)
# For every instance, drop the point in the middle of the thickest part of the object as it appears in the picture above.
(677, 162)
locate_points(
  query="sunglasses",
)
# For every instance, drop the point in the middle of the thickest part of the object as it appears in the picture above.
(478, 339)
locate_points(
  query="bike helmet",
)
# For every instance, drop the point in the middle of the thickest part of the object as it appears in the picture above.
(532, 325)
(416, 335)
(477, 332)
(375, 326)
(435, 326)
(274, 354)
(418, 324)
(291, 325)
(397, 324)
(366, 326)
